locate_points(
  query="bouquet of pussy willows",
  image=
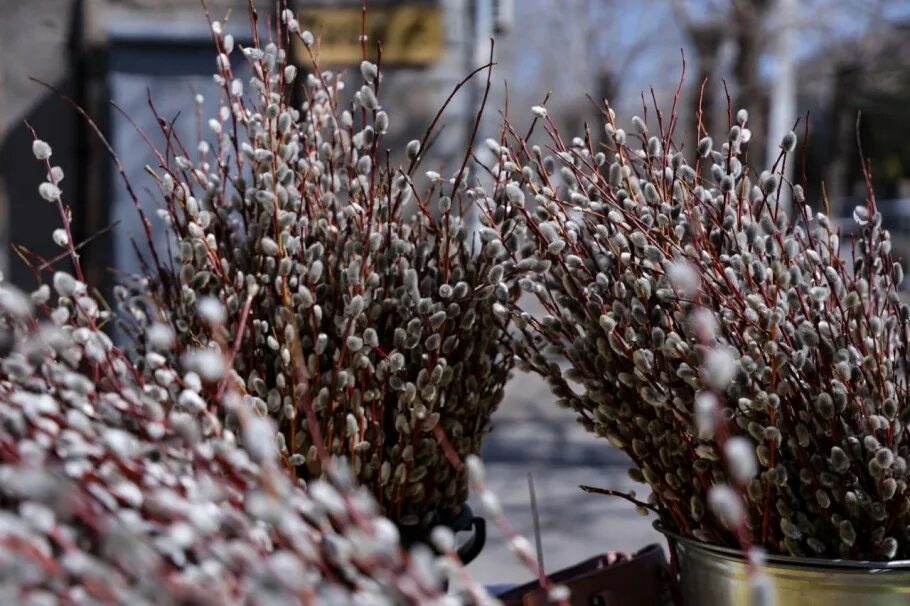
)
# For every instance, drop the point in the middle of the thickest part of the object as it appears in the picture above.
(359, 308)
(751, 362)
(120, 484)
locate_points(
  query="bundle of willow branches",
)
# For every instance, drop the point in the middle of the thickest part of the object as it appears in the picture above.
(358, 306)
(119, 484)
(751, 362)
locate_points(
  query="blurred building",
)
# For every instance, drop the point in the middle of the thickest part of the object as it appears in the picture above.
(118, 58)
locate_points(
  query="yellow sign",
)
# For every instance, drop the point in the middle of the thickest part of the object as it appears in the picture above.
(409, 34)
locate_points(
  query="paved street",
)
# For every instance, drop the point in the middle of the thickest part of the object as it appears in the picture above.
(531, 434)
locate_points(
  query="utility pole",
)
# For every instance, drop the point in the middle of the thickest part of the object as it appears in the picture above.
(782, 111)
(4, 206)
(489, 19)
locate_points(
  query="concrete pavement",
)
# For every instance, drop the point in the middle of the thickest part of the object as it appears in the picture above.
(531, 434)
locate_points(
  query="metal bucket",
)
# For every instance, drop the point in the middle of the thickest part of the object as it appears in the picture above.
(718, 576)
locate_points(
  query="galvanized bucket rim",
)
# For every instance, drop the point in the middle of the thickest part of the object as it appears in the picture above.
(786, 561)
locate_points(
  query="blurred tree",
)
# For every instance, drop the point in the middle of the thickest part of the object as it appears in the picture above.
(575, 48)
(850, 50)
(748, 22)
(714, 28)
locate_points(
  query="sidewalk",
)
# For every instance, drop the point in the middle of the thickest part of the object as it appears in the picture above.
(531, 434)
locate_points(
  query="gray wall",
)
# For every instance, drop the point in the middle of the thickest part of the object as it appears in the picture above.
(34, 41)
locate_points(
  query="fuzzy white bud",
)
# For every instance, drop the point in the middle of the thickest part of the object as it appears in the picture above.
(55, 175)
(41, 149)
(208, 364)
(521, 546)
(60, 237)
(368, 98)
(684, 277)
(49, 192)
(490, 503)
(14, 302)
(726, 505)
(160, 337)
(741, 461)
(788, 143)
(443, 539)
(212, 311)
(705, 414)
(704, 323)
(719, 367)
(64, 284)
(558, 593)
(475, 469)
(290, 73)
(258, 439)
(413, 149)
(369, 71)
